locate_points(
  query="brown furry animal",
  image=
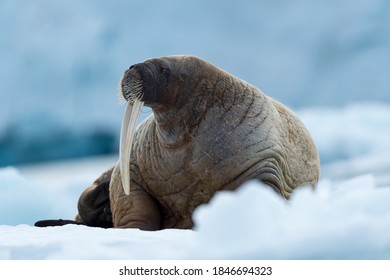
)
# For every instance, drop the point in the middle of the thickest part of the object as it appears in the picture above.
(209, 131)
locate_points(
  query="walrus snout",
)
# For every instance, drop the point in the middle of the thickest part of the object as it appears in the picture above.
(132, 84)
(148, 81)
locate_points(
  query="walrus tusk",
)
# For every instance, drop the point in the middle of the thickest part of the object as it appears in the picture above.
(129, 122)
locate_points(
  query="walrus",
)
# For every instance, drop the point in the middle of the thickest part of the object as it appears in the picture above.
(209, 131)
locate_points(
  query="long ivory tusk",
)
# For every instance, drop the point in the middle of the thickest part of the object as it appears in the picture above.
(129, 122)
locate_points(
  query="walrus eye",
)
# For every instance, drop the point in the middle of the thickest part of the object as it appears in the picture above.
(165, 71)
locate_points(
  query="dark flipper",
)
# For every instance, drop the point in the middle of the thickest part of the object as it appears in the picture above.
(54, 223)
(94, 203)
(93, 206)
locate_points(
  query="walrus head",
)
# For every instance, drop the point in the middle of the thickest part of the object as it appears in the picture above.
(155, 83)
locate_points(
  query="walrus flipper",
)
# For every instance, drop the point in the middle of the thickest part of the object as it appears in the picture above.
(93, 206)
(54, 223)
(94, 203)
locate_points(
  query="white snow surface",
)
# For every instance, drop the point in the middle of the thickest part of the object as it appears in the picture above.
(347, 217)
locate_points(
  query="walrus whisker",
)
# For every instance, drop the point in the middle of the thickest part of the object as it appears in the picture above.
(121, 99)
(120, 95)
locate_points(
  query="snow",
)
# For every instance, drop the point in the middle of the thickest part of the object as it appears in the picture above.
(347, 221)
(59, 73)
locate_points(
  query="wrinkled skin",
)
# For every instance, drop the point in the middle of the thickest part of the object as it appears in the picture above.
(209, 131)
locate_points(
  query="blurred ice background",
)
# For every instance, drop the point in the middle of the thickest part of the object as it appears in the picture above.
(60, 65)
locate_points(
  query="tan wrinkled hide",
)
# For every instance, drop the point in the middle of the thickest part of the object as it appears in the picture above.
(226, 133)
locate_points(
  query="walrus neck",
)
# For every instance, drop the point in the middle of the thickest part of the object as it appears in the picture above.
(175, 127)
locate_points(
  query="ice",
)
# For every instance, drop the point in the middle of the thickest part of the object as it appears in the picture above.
(346, 221)
(352, 140)
(358, 129)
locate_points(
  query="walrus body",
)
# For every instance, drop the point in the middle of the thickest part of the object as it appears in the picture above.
(209, 131)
